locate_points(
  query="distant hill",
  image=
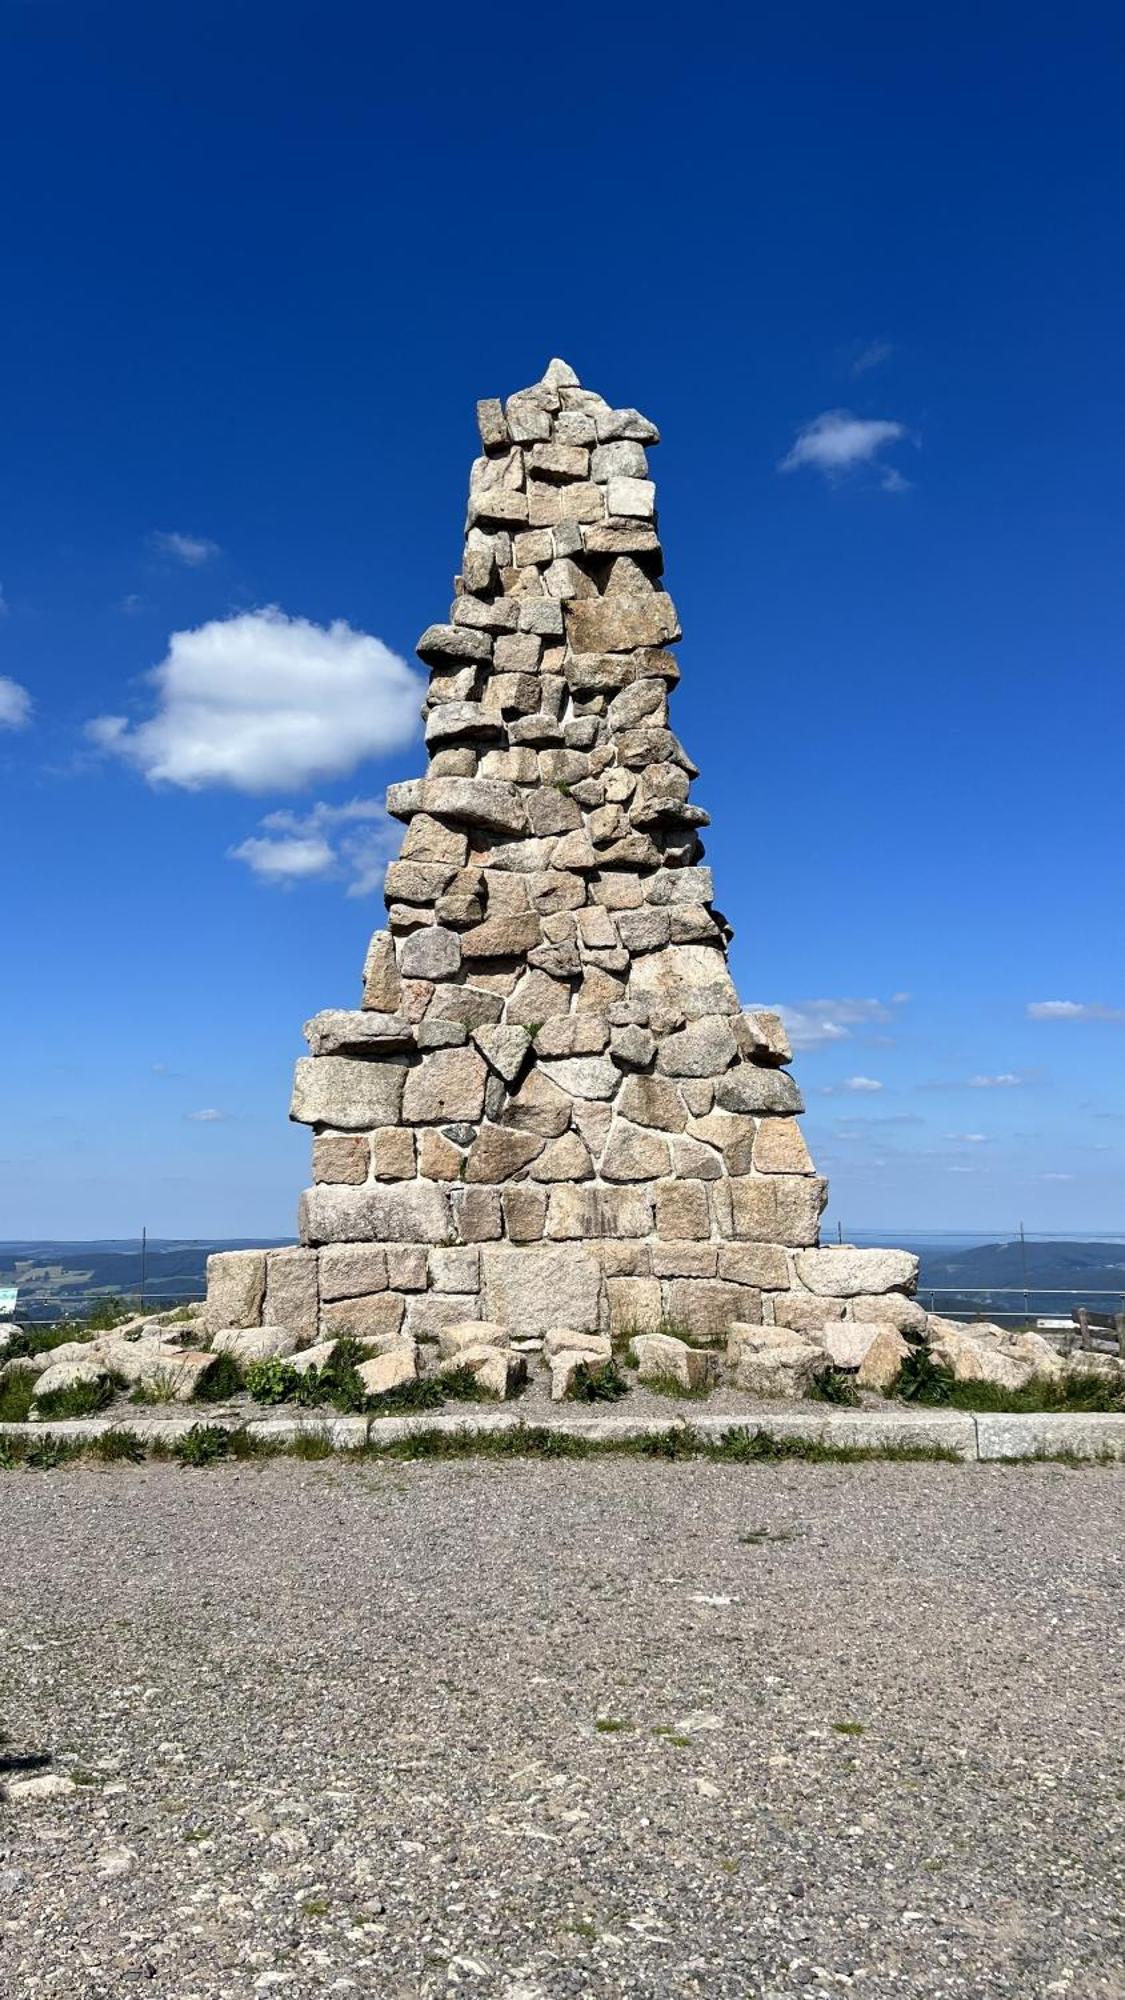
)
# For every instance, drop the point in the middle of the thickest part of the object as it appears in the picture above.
(1056, 1274)
(60, 1280)
(57, 1280)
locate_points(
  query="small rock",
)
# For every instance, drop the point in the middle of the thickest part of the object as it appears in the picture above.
(391, 1370)
(661, 1354)
(48, 1785)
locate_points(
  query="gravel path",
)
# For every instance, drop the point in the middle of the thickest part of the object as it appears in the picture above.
(335, 1731)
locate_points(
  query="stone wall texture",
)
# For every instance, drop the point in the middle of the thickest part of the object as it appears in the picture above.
(550, 1107)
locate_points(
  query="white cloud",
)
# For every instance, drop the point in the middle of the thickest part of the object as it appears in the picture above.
(15, 704)
(208, 1117)
(837, 442)
(4, 607)
(264, 702)
(968, 1138)
(1072, 1010)
(1006, 1080)
(192, 550)
(352, 842)
(861, 1085)
(871, 356)
(811, 1023)
(285, 861)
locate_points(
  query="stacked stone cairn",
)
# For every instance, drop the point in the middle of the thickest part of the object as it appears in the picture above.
(550, 1122)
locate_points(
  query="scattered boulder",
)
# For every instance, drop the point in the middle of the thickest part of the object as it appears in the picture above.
(497, 1369)
(883, 1360)
(589, 1351)
(391, 1370)
(309, 1358)
(258, 1343)
(70, 1375)
(463, 1335)
(662, 1356)
(774, 1361)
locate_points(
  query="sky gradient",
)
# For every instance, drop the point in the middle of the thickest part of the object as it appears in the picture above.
(864, 271)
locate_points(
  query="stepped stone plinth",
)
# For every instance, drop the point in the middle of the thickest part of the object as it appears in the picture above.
(550, 1108)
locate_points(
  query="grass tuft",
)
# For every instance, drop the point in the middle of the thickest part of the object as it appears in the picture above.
(81, 1399)
(117, 1446)
(222, 1381)
(921, 1379)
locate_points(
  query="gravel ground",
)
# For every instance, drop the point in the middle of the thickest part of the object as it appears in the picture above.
(335, 1730)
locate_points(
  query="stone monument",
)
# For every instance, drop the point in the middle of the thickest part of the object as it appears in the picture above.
(550, 1109)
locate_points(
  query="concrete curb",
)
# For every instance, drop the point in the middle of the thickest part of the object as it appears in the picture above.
(973, 1439)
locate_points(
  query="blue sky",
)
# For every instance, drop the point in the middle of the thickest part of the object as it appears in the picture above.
(258, 265)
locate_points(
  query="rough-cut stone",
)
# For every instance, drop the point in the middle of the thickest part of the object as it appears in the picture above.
(342, 1032)
(779, 1148)
(535, 1286)
(430, 954)
(497, 1153)
(771, 1361)
(769, 1208)
(454, 1337)
(893, 1309)
(236, 1289)
(650, 1100)
(479, 1215)
(391, 1370)
(762, 1264)
(504, 1049)
(682, 1211)
(702, 1048)
(393, 1214)
(633, 1153)
(802, 1312)
(375, 1318)
(565, 1363)
(244, 1345)
(438, 1158)
(635, 1305)
(564, 1159)
(291, 1297)
(747, 1089)
(347, 1093)
(707, 1306)
(525, 1213)
(337, 1157)
(882, 1360)
(840, 1271)
(86, 1373)
(348, 1270)
(449, 1084)
(620, 624)
(662, 1357)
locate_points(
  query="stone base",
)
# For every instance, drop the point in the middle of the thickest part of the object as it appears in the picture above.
(610, 1285)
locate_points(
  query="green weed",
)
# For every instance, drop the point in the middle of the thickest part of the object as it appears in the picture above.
(833, 1387)
(597, 1382)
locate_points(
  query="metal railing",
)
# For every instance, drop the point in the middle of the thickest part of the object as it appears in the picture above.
(145, 1290)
